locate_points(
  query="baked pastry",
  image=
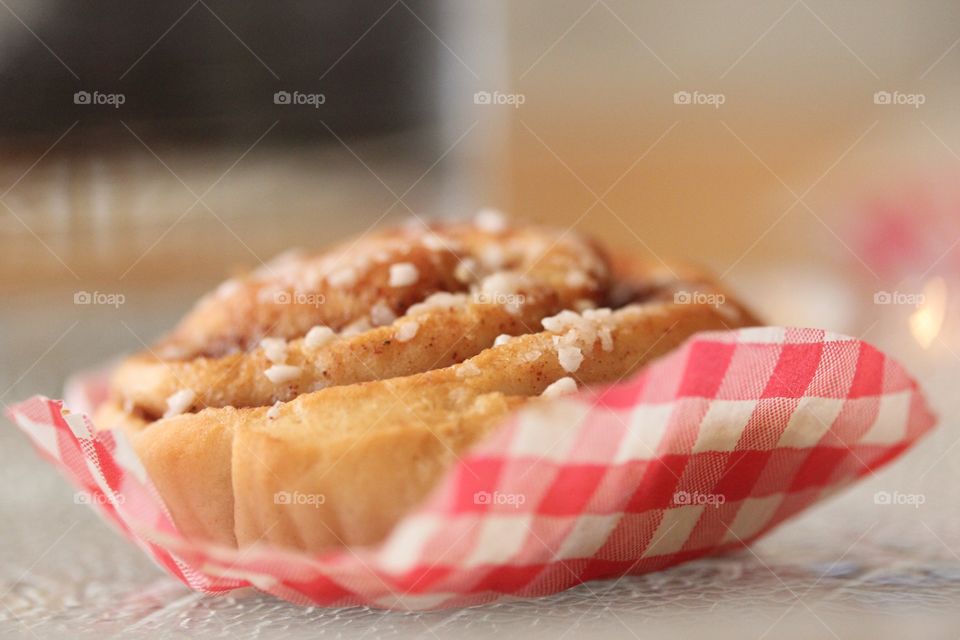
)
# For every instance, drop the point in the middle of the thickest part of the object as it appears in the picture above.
(314, 402)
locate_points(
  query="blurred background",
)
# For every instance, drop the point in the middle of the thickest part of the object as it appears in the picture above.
(805, 150)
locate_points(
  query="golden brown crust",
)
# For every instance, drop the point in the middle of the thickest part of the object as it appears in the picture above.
(215, 349)
(291, 294)
(342, 464)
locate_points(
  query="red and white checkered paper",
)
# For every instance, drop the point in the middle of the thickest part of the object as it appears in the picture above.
(703, 451)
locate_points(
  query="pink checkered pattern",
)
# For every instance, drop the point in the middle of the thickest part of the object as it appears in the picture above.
(702, 452)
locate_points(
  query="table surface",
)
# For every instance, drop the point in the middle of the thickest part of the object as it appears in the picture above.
(846, 568)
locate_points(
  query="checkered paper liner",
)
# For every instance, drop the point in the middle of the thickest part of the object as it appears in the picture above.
(702, 452)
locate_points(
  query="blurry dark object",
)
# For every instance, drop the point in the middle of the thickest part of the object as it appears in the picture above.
(206, 71)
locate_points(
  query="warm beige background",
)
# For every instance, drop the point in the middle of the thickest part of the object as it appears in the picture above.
(718, 185)
(798, 78)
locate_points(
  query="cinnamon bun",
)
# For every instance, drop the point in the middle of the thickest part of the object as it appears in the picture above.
(314, 402)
